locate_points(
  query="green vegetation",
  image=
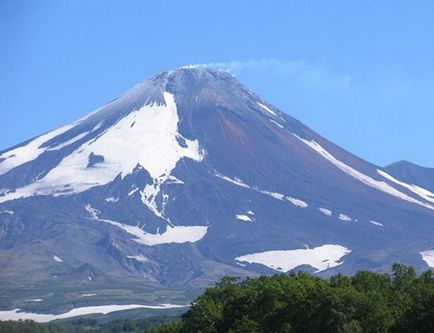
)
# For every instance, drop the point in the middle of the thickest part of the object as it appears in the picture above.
(85, 325)
(58, 296)
(366, 302)
(298, 302)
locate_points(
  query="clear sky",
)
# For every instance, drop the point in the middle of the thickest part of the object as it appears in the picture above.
(361, 73)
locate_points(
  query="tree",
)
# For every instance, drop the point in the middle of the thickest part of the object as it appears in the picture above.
(301, 302)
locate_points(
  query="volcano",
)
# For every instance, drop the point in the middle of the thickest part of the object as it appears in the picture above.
(188, 177)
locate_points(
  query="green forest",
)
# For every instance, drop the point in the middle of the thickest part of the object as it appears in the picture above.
(298, 302)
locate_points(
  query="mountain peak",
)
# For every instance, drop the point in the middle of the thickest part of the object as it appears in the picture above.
(412, 173)
(192, 72)
(401, 163)
(200, 74)
(189, 176)
(185, 80)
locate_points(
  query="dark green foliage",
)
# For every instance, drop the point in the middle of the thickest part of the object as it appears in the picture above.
(366, 302)
(27, 326)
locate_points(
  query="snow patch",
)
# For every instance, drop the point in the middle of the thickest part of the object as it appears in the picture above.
(57, 259)
(275, 195)
(421, 192)
(6, 212)
(30, 151)
(325, 211)
(92, 212)
(103, 309)
(279, 196)
(297, 202)
(69, 142)
(34, 300)
(276, 123)
(88, 295)
(112, 199)
(344, 217)
(149, 199)
(266, 108)
(235, 181)
(376, 223)
(365, 179)
(134, 190)
(139, 257)
(244, 218)
(152, 143)
(173, 180)
(320, 258)
(428, 257)
(173, 234)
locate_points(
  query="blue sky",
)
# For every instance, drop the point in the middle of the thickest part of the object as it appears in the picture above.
(361, 73)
